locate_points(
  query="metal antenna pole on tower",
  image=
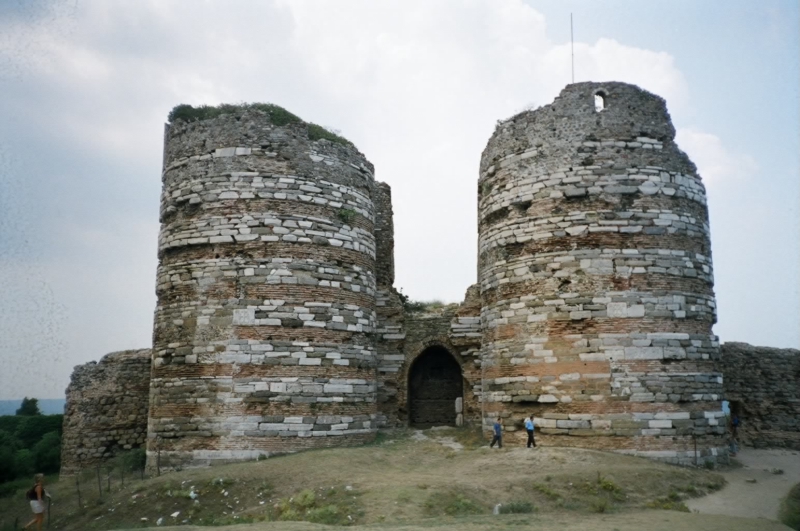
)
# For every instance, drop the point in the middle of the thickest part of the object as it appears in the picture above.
(572, 47)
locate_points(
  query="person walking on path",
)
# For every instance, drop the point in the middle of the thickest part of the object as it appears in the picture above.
(733, 432)
(498, 434)
(529, 427)
(36, 496)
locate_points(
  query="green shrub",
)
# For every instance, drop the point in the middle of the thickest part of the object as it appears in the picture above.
(11, 488)
(411, 306)
(452, 503)
(547, 491)
(328, 514)
(317, 132)
(789, 513)
(29, 444)
(8, 446)
(607, 484)
(47, 453)
(331, 507)
(277, 115)
(133, 460)
(599, 505)
(346, 215)
(306, 499)
(667, 504)
(9, 423)
(187, 113)
(30, 430)
(517, 507)
(24, 463)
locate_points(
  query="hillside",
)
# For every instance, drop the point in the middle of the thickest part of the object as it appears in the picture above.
(404, 481)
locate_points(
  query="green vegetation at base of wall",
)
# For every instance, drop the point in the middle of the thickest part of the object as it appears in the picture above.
(277, 115)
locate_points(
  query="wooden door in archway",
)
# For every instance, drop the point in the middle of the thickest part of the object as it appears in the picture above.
(434, 383)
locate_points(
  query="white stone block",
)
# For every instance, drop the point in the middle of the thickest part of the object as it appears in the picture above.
(636, 310)
(338, 388)
(674, 415)
(644, 353)
(225, 152)
(617, 309)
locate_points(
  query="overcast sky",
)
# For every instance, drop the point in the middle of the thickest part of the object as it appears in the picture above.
(417, 85)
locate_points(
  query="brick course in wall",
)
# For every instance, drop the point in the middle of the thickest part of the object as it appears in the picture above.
(106, 409)
(763, 386)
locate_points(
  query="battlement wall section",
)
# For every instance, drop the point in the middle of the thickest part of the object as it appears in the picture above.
(761, 384)
(106, 409)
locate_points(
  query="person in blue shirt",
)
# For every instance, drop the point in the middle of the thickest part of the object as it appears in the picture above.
(498, 434)
(529, 427)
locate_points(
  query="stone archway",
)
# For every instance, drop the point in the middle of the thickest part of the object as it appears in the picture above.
(434, 383)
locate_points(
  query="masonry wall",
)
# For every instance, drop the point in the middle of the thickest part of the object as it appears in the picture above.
(407, 336)
(266, 293)
(596, 278)
(106, 409)
(763, 385)
(389, 332)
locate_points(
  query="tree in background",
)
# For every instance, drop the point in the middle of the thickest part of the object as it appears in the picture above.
(28, 444)
(47, 453)
(29, 407)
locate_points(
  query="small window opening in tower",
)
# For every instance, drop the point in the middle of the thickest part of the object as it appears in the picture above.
(599, 101)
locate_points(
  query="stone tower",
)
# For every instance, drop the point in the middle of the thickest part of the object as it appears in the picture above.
(266, 291)
(596, 278)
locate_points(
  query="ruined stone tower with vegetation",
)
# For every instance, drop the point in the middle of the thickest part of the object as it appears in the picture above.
(266, 289)
(596, 279)
(278, 328)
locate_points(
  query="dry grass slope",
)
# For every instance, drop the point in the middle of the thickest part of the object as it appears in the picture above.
(403, 483)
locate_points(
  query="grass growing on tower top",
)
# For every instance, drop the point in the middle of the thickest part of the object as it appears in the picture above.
(277, 115)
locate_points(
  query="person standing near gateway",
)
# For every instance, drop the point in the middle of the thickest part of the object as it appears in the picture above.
(529, 427)
(498, 434)
(36, 496)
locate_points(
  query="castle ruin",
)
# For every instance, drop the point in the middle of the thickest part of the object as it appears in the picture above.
(278, 327)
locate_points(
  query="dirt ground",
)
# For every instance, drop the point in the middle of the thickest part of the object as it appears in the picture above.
(742, 496)
(435, 480)
(640, 521)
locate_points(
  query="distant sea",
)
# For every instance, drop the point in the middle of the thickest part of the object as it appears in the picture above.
(48, 406)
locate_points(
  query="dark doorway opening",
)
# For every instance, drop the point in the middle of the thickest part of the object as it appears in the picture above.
(434, 383)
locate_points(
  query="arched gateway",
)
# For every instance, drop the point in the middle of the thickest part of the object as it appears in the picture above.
(434, 384)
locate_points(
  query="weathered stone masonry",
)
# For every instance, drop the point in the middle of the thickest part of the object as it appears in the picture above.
(763, 387)
(106, 409)
(278, 326)
(266, 293)
(596, 279)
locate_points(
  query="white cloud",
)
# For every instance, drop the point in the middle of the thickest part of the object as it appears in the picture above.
(715, 163)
